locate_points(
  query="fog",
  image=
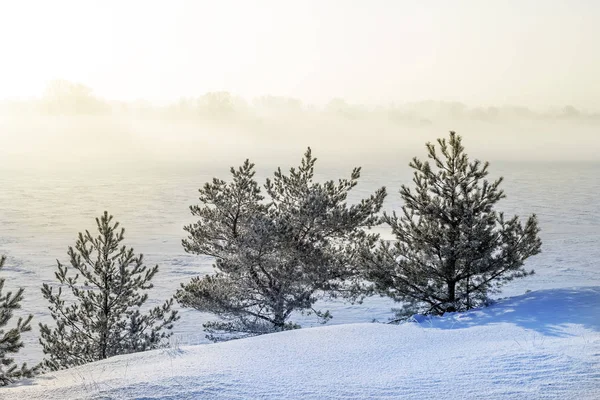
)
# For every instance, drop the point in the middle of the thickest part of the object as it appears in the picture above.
(172, 137)
(165, 84)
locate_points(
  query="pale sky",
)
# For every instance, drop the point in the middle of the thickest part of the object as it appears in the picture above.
(539, 54)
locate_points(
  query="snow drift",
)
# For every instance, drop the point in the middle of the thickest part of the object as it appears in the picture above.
(541, 345)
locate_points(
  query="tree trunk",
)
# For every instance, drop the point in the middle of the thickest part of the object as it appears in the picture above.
(468, 294)
(104, 342)
(451, 296)
(279, 315)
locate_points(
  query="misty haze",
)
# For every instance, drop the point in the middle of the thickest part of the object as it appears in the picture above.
(310, 287)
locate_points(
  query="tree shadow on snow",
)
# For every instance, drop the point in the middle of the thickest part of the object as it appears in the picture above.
(548, 312)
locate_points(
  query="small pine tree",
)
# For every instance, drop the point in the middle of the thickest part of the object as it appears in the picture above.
(452, 249)
(103, 316)
(277, 257)
(10, 340)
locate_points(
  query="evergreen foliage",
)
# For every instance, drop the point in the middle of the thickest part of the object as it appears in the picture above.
(452, 248)
(278, 255)
(10, 340)
(102, 317)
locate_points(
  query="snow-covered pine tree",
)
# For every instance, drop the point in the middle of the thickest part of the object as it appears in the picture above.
(275, 257)
(101, 316)
(10, 340)
(452, 248)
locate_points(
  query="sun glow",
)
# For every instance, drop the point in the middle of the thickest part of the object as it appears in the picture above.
(372, 52)
(386, 64)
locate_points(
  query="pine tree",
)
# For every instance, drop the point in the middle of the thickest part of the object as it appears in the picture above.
(10, 340)
(275, 257)
(452, 248)
(101, 317)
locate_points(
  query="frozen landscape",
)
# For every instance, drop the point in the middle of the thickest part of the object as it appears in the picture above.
(541, 345)
(42, 212)
(139, 109)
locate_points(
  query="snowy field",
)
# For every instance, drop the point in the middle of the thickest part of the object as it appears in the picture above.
(544, 344)
(41, 213)
(540, 345)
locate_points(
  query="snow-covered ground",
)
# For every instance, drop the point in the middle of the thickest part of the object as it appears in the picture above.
(41, 213)
(541, 345)
(544, 344)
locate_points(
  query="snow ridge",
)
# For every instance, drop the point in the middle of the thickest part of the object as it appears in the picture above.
(540, 345)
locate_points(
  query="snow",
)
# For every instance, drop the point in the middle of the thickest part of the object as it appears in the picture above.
(543, 344)
(540, 345)
(41, 214)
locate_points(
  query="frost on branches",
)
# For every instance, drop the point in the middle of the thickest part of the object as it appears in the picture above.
(101, 316)
(452, 249)
(277, 254)
(10, 339)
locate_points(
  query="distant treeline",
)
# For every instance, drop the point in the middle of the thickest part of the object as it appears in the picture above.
(68, 98)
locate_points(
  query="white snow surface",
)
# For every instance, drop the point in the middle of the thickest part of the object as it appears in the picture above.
(541, 345)
(41, 213)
